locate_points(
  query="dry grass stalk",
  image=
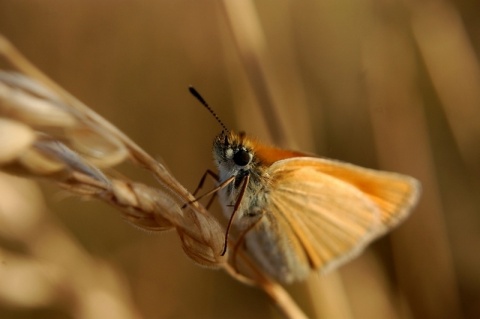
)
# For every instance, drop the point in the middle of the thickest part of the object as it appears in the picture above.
(250, 42)
(48, 134)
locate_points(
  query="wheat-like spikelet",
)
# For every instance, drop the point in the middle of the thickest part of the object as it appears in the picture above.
(42, 137)
(46, 133)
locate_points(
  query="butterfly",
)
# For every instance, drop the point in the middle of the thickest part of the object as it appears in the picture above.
(298, 213)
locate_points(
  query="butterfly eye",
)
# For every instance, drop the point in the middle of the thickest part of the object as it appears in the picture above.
(242, 157)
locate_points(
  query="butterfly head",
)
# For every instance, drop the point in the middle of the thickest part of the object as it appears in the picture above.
(233, 153)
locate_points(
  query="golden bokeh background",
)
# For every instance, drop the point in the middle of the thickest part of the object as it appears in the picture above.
(393, 85)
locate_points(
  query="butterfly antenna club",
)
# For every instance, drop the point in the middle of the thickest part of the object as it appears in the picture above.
(197, 95)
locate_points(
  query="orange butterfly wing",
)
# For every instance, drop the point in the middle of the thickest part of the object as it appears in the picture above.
(321, 213)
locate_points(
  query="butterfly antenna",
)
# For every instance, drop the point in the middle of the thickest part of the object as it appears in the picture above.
(205, 104)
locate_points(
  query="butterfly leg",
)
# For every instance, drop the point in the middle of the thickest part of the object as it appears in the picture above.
(212, 192)
(208, 172)
(212, 174)
(235, 209)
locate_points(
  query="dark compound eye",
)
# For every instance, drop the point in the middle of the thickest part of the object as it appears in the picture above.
(241, 157)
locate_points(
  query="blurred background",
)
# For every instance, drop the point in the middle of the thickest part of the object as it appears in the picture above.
(392, 85)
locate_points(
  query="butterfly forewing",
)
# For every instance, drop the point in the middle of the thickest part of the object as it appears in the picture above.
(329, 217)
(327, 212)
(395, 194)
